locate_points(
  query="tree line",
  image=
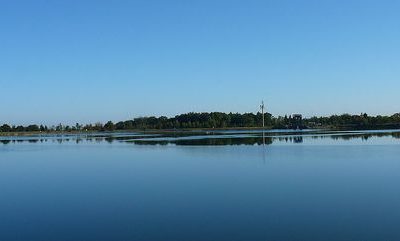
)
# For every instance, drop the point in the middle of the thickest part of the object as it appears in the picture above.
(221, 120)
(362, 121)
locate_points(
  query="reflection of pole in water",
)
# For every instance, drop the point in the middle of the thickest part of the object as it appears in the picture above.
(263, 136)
(262, 107)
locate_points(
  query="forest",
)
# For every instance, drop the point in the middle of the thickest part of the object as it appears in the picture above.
(210, 120)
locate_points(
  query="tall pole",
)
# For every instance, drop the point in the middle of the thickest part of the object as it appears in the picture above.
(262, 113)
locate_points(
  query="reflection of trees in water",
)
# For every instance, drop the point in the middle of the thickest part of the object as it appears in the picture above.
(5, 142)
(208, 140)
(260, 140)
(364, 137)
(290, 139)
(298, 139)
(109, 139)
(396, 135)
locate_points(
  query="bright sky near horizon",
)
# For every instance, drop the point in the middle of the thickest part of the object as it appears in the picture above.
(87, 61)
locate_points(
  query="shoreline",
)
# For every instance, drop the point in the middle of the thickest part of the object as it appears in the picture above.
(193, 130)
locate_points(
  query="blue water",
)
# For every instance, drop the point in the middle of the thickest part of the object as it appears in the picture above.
(299, 186)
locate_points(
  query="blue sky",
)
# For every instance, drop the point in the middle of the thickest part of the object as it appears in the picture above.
(88, 61)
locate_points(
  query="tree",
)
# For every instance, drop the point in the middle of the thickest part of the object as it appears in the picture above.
(43, 128)
(109, 126)
(19, 129)
(5, 128)
(98, 126)
(32, 128)
(59, 127)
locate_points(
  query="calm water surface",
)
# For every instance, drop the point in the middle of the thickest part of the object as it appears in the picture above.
(201, 186)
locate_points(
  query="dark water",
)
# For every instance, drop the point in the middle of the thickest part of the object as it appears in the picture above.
(201, 186)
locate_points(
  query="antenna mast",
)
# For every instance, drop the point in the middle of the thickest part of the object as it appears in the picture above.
(262, 113)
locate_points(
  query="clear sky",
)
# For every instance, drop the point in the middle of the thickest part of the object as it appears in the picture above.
(86, 61)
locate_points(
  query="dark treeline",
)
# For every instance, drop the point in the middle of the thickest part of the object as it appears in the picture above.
(223, 120)
(362, 121)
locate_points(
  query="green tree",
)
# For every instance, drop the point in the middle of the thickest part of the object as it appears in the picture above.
(109, 126)
(5, 128)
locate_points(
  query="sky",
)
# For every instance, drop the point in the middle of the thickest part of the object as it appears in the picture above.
(88, 61)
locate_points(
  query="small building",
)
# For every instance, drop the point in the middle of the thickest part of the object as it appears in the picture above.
(297, 121)
(297, 117)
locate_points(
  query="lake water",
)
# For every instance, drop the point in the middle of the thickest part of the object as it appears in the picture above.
(191, 186)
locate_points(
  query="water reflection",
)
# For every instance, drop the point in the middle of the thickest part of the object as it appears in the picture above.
(204, 138)
(210, 141)
(116, 187)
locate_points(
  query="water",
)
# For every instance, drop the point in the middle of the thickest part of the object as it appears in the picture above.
(201, 186)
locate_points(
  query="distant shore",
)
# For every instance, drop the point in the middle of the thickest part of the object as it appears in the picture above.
(38, 133)
(213, 121)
